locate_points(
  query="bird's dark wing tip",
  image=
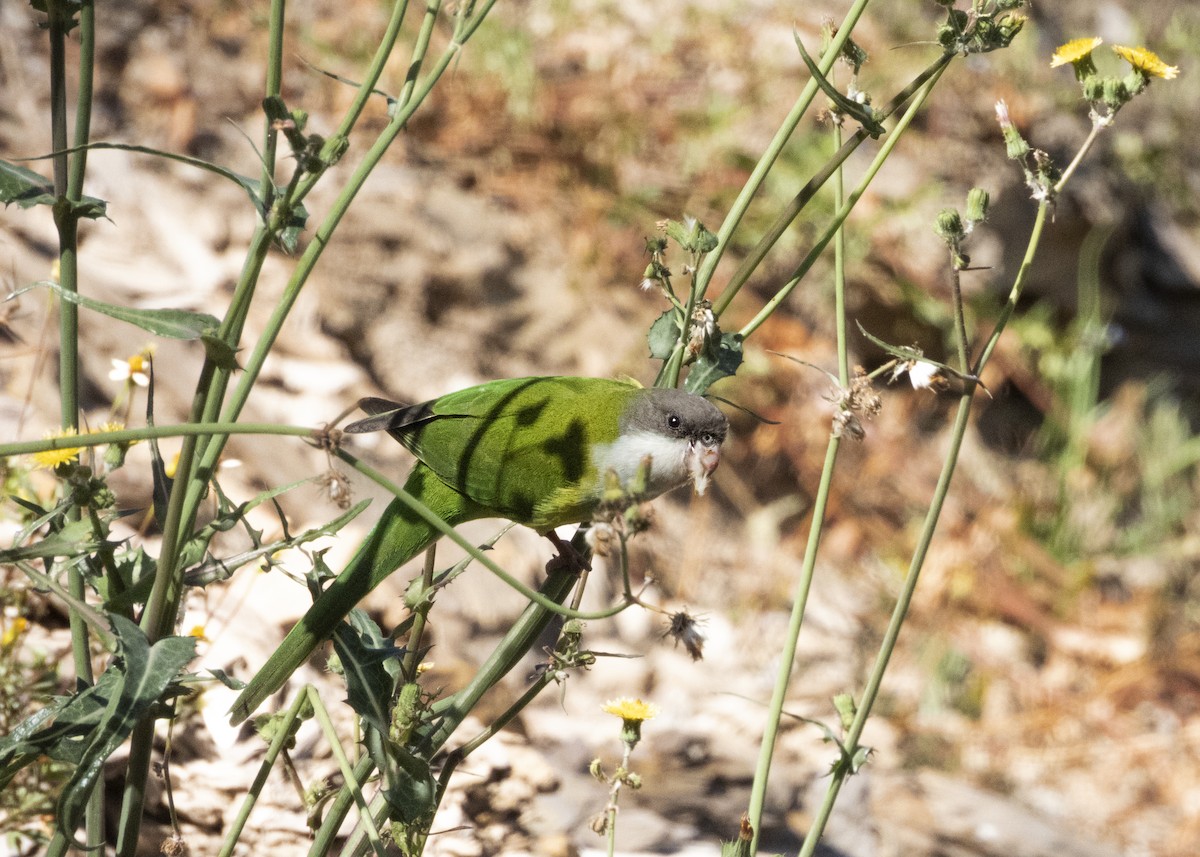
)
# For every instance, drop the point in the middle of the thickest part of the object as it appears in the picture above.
(378, 423)
(383, 414)
(375, 405)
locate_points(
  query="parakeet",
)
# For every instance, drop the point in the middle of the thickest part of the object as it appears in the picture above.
(533, 450)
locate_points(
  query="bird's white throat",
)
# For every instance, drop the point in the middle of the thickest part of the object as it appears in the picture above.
(669, 466)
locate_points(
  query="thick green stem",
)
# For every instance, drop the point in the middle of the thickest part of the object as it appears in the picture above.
(68, 187)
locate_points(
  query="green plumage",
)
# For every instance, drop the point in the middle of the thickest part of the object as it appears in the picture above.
(517, 449)
(520, 447)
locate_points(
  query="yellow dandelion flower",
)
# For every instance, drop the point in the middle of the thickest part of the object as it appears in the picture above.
(1074, 51)
(198, 632)
(1147, 62)
(51, 458)
(631, 709)
(13, 632)
(632, 713)
(111, 425)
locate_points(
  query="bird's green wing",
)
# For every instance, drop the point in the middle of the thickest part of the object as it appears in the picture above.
(521, 447)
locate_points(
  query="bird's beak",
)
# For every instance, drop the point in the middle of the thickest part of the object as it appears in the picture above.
(702, 461)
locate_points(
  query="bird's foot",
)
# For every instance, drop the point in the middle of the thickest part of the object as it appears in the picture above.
(568, 558)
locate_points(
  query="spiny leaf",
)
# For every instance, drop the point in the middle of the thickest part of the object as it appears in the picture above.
(75, 538)
(369, 666)
(26, 188)
(144, 671)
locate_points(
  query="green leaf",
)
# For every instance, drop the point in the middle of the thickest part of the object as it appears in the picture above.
(227, 680)
(220, 352)
(56, 730)
(74, 539)
(408, 785)
(718, 363)
(65, 10)
(135, 578)
(860, 112)
(145, 672)
(663, 335)
(202, 571)
(296, 220)
(370, 667)
(168, 323)
(26, 188)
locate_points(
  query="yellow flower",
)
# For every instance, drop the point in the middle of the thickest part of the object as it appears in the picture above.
(13, 632)
(1147, 62)
(631, 709)
(133, 370)
(632, 713)
(111, 425)
(1075, 51)
(51, 458)
(171, 467)
(198, 632)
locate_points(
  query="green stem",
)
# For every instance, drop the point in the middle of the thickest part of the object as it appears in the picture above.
(272, 87)
(758, 789)
(361, 96)
(68, 186)
(101, 438)
(420, 615)
(322, 843)
(754, 258)
(871, 692)
(366, 821)
(1099, 123)
(900, 612)
(844, 211)
(451, 711)
(839, 275)
(1014, 295)
(283, 734)
(960, 316)
(775, 148)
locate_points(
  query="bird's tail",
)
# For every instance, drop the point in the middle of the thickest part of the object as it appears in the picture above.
(399, 536)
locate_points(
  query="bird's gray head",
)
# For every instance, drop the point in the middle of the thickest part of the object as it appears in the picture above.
(684, 417)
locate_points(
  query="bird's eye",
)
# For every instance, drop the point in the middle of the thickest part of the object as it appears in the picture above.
(673, 421)
(708, 438)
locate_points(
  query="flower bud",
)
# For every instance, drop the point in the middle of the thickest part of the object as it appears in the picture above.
(949, 226)
(977, 205)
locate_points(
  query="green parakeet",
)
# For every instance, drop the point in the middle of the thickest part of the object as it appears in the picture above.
(532, 450)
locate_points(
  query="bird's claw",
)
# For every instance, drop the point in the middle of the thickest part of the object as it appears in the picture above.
(567, 558)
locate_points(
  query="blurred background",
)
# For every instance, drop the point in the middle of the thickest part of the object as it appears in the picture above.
(1045, 698)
